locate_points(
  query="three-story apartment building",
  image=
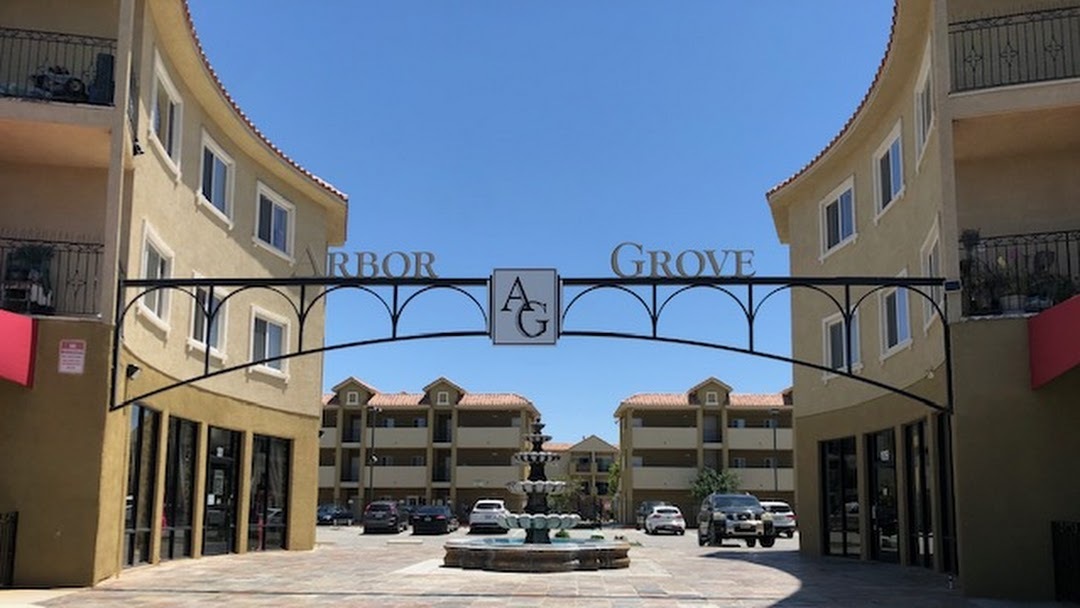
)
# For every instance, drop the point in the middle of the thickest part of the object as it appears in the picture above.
(440, 446)
(958, 163)
(585, 467)
(124, 156)
(666, 439)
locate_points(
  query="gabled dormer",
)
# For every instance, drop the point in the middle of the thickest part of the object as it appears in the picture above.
(353, 392)
(709, 393)
(442, 393)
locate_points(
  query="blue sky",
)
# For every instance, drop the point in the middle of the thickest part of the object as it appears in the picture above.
(500, 134)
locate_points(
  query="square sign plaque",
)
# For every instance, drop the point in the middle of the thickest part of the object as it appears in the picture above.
(525, 306)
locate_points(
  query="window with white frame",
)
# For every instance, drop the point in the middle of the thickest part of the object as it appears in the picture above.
(931, 267)
(924, 104)
(442, 398)
(835, 336)
(217, 177)
(157, 264)
(838, 217)
(889, 170)
(352, 398)
(274, 222)
(166, 113)
(895, 328)
(711, 398)
(738, 462)
(268, 339)
(204, 331)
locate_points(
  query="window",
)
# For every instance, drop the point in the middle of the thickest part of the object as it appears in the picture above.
(420, 422)
(268, 512)
(165, 115)
(838, 218)
(273, 226)
(711, 398)
(217, 178)
(157, 264)
(836, 342)
(205, 332)
(268, 339)
(895, 332)
(352, 398)
(924, 104)
(417, 460)
(738, 463)
(737, 423)
(442, 398)
(931, 267)
(889, 170)
(770, 462)
(141, 484)
(329, 418)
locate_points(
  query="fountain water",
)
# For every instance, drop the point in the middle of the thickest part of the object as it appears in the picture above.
(537, 552)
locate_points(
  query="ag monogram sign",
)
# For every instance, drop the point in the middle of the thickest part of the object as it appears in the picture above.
(524, 306)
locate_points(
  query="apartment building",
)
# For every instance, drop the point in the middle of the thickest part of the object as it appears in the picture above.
(585, 467)
(958, 163)
(124, 156)
(666, 439)
(443, 445)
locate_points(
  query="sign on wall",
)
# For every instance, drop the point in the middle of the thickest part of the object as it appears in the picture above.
(72, 356)
(524, 306)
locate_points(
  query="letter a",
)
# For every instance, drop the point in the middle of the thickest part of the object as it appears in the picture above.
(517, 292)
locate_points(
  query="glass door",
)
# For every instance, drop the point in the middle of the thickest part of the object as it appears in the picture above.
(141, 484)
(179, 489)
(222, 477)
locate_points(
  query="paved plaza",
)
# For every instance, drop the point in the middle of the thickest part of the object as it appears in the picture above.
(348, 568)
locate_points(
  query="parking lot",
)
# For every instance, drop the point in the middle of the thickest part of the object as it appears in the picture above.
(349, 568)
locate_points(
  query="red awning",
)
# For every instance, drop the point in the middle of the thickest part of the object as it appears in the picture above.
(18, 344)
(1054, 341)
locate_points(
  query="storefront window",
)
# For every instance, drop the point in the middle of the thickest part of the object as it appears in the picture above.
(142, 466)
(179, 489)
(920, 541)
(268, 515)
(884, 516)
(840, 492)
(222, 478)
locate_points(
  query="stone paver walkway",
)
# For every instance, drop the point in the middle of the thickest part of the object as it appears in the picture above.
(348, 568)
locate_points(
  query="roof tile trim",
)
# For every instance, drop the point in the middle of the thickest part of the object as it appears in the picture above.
(325, 185)
(851, 119)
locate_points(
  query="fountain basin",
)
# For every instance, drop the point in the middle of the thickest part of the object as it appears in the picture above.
(550, 521)
(513, 555)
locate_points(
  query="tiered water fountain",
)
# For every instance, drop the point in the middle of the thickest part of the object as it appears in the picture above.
(536, 552)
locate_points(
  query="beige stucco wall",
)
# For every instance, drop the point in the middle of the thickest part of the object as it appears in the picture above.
(51, 202)
(1016, 461)
(51, 460)
(86, 17)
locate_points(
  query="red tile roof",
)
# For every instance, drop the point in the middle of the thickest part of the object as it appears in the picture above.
(396, 399)
(851, 119)
(752, 399)
(481, 399)
(675, 400)
(327, 397)
(555, 446)
(206, 63)
(672, 399)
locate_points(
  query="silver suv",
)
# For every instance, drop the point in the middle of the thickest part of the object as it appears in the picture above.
(736, 516)
(485, 515)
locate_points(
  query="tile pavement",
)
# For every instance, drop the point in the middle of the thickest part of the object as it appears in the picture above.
(348, 568)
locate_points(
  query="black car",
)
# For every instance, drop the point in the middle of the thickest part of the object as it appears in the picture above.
(333, 515)
(384, 515)
(434, 519)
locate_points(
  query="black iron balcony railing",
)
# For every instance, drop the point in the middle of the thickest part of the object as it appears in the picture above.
(57, 67)
(1015, 49)
(1018, 273)
(50, 277)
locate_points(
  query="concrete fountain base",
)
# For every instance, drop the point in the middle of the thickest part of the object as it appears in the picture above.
(512, 555)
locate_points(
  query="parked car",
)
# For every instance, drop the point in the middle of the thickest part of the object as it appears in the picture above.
(644, 509)
(384, 515)
(434, 519)
(333, 515)
(724, 516)
(665, 517)
(783, 516)
(485, 515)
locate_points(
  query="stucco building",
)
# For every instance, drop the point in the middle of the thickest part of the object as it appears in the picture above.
(585, 467)
(444, 445)
(958, 163)
(124, 156)
(666, 439)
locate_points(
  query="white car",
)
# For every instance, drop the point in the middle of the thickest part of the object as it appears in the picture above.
(783, 516)
(665, 517)
(485, 515)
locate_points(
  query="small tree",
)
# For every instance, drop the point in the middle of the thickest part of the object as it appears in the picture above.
(614, 475)
(562, 502)
(710, 480)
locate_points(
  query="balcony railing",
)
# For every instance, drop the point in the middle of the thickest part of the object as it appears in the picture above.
(1015, 49)
(57, 67)
(1018, 273)
(49, 277)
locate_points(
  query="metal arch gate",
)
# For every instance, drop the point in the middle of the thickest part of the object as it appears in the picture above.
(304, 294)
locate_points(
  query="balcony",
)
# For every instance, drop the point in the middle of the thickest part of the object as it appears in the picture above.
(52, 66)
(487, 476)
(326, 476)
(398, 437)
(489, 437)
(645, 438)
(663, 478)
(328, 437)
(50, 277)
(1020, 273)
(759, 439)
(762, 479)
(1015, 49)
(392, 476)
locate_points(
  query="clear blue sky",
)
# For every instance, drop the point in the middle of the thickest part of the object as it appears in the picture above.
(537, 133)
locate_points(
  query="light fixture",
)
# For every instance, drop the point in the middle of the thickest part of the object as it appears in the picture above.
(132, 371)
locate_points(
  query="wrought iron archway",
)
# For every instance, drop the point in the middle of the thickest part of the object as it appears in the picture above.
(304, 295)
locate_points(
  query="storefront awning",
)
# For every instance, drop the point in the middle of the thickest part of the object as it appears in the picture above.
(18, 344)
(1054, 341)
